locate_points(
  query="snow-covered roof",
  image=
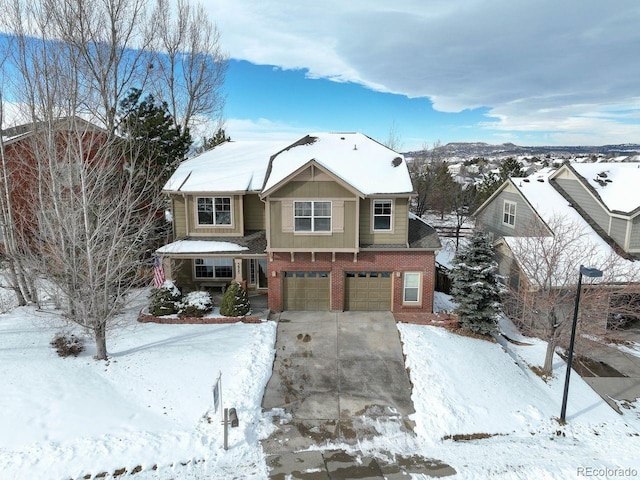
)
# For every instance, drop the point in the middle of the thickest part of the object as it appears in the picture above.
(553, 208)
(200, 246)
(230, 167)
(615, 183)
(368, 166)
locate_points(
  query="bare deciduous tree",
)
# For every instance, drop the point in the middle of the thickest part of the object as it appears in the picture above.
(542, 283)
(97, 204)
(89, 199)
(188, 66)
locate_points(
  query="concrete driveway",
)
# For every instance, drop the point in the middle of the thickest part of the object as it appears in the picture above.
(336, 375)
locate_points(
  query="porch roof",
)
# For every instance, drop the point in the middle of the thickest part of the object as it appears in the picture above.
(253, 243)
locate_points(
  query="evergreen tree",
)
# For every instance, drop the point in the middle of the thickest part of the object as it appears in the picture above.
(219, 137)
(151, 131)
(509, 168)
(440, 197)
(235, 301)
(475, 287)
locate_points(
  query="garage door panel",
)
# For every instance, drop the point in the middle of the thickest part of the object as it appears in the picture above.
(306, 290)
(368, 291)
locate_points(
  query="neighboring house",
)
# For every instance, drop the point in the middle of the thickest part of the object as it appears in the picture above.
(599, 200)
(320, 224)
(23, 146)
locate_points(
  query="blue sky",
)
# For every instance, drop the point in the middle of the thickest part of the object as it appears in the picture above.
(287, 100)
(531, 73)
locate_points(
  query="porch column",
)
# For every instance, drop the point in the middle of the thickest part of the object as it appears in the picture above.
(237, 262)
(167, 263)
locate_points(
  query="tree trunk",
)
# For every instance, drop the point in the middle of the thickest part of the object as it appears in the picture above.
(13, 280)
(101, 341)
(547, 369)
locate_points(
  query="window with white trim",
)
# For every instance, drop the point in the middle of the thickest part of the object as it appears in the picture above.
(312, 216)
(509, 213)
(213, 267)
(382, 215)
(411, 287)
(214, 210)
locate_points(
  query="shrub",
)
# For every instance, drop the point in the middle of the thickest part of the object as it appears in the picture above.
(164, 300)
(67, 344)
(195, 304)
(235, 302)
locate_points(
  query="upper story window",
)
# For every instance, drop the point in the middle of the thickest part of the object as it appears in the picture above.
(509, 213)
(214, 210)
(312, 216)
(382, 215)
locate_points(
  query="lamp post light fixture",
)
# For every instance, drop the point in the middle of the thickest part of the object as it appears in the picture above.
(587, 272)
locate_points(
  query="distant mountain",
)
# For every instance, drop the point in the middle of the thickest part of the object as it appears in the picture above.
(480, 149)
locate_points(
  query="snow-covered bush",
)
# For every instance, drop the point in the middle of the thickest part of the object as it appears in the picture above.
(164, 300)
(67, 344)
(235, 301)
(195, 304)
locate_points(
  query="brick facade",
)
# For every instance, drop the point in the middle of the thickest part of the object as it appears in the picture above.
(379, 261)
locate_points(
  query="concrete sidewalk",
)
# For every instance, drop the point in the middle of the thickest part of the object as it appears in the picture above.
(618, 383)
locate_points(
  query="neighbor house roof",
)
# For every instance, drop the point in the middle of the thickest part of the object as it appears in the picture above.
(229, 167)
(366, 165)
(552, 207)
(615, 184)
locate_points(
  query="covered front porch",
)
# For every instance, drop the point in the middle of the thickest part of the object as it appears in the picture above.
(212, 264)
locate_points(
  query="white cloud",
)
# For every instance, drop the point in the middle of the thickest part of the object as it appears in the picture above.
(263, 129)
(544, 65)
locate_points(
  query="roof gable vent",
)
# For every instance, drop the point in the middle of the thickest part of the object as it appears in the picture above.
(396, 161)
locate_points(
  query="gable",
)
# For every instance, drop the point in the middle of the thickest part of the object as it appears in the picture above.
(358, 161)
(312, 181)
(491, 218)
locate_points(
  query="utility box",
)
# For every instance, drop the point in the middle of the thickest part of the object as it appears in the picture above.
(233, 417)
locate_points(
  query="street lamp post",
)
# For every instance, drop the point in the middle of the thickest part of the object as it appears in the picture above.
(587, 272)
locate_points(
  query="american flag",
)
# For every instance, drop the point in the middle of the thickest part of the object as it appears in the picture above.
(158, 272)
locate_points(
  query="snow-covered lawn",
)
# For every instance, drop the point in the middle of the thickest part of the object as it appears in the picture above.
(151, 405)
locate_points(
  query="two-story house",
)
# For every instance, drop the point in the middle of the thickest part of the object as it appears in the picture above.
(598, 202)
(320, 224)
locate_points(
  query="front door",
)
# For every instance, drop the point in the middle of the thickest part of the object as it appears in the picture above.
(263, 278)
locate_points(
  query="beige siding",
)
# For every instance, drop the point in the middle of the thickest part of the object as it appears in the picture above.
(289, 239)
(400, 223)
(253, 212)
(236, 228)
(295, 189)
(179, 219)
